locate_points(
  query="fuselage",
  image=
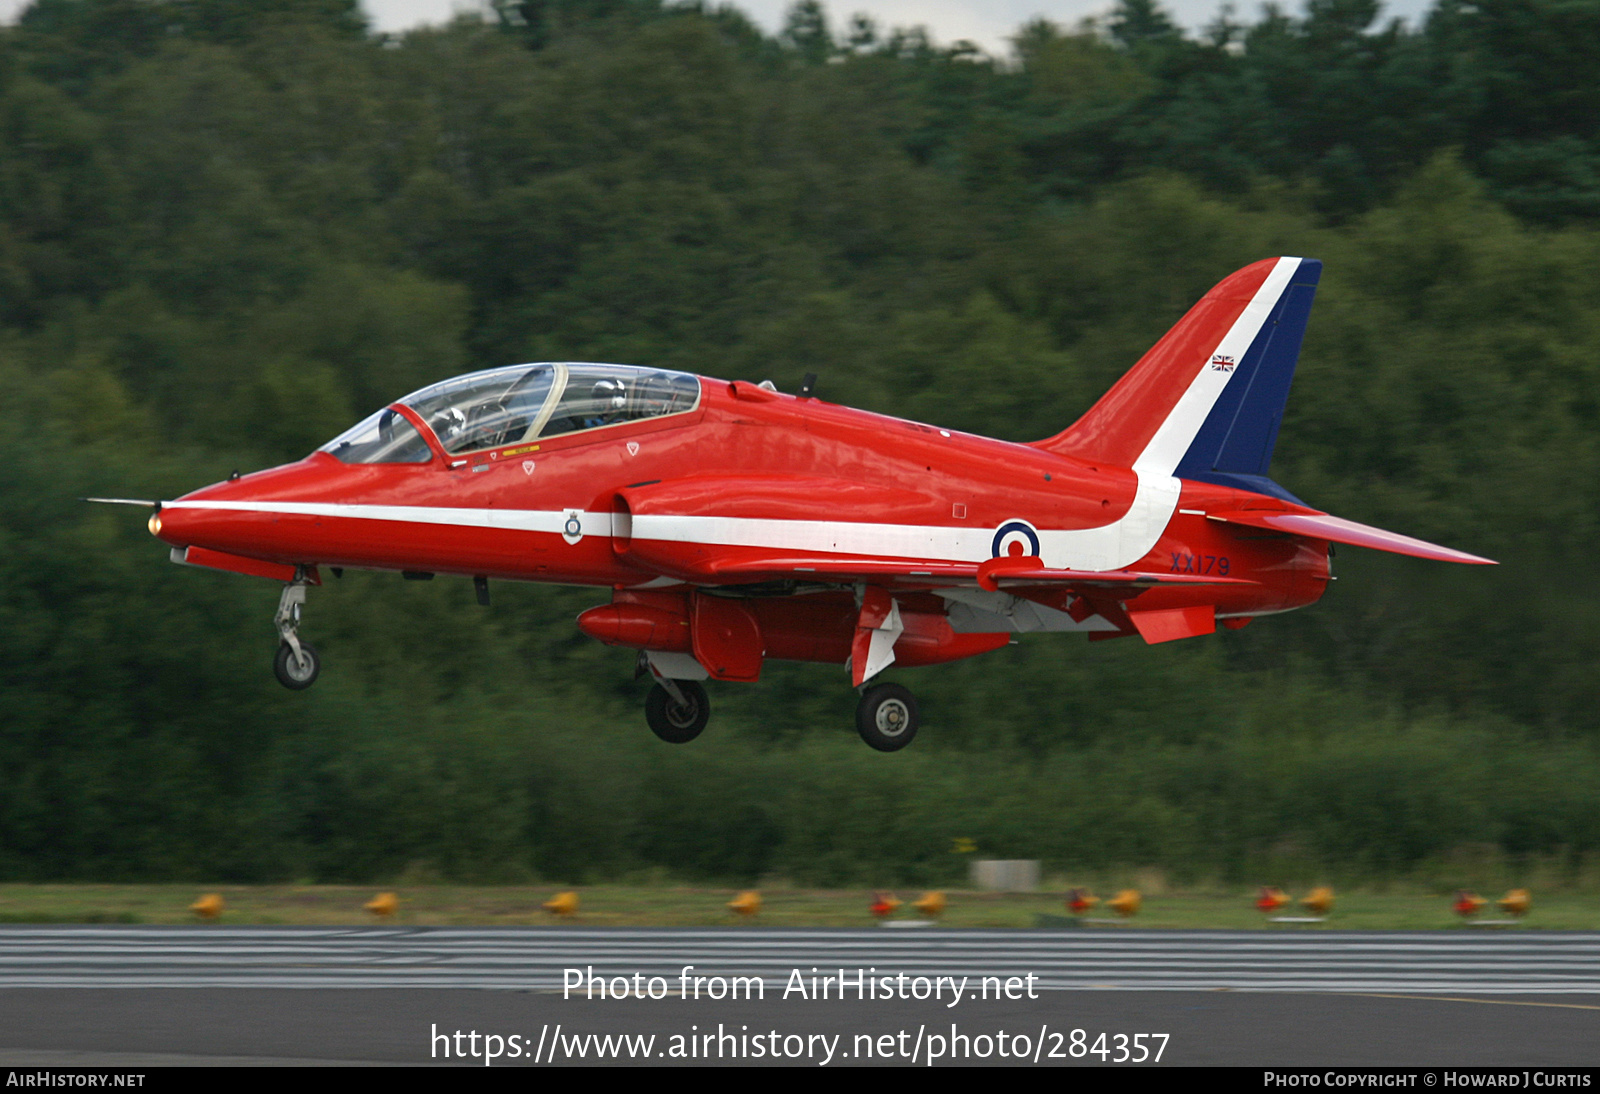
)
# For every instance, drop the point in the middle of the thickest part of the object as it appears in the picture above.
(745, 469)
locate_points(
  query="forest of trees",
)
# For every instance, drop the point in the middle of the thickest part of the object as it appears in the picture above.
(229, 228)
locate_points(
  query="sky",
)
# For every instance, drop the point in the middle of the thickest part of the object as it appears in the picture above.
(989, 23)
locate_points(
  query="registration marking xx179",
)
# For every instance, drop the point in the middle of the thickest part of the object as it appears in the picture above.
(1185, 563)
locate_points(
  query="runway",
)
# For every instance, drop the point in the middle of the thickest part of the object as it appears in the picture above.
(534, 958)
(151, 996)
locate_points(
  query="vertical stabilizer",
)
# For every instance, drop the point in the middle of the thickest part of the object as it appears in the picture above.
(1207, 400)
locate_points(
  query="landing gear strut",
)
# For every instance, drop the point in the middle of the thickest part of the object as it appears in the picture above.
(296, 666)
(887, 717)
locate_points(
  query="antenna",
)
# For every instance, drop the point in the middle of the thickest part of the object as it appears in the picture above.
(807, 384)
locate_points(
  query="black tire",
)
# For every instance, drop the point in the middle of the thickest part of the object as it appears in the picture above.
(673, 723)
(296, 674)
(887, 717)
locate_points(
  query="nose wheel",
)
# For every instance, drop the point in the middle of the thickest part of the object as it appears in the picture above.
(296, 669)
(886, 717)
(296, 665)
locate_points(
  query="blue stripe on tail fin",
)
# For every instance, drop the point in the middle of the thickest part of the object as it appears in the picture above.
(1234, 445)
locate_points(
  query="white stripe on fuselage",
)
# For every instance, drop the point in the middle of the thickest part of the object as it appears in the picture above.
(518, 520)
(1111, 546)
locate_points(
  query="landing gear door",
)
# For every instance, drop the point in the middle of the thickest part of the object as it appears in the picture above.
(726, 638)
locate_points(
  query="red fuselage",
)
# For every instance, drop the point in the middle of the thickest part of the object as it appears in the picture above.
(743, 453)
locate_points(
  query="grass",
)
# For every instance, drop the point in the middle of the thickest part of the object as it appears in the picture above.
(672, 905)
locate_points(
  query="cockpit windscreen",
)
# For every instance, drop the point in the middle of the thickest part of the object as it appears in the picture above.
(384, 437)
(505, 406)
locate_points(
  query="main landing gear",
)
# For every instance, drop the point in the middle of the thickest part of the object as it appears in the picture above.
(296, 666)
(677, 710)
(886, 717)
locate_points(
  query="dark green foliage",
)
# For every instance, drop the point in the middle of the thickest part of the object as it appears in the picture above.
(1521, 78)
(228, 229)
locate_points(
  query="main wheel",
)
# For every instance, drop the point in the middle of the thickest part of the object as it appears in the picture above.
(296, 673)
(887, 717)
(673, 722)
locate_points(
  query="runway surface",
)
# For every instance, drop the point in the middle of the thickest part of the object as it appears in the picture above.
(136, 997)
(533, 958)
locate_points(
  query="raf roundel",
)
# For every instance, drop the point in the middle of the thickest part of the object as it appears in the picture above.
(1015, 537)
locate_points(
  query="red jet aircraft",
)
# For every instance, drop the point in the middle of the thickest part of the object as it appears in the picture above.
(734, 523)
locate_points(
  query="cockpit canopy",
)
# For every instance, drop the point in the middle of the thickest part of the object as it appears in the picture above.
(506, 405)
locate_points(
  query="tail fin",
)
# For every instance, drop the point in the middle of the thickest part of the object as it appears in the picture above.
(1206, 401)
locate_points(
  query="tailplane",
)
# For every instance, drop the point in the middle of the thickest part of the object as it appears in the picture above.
(1313, 524)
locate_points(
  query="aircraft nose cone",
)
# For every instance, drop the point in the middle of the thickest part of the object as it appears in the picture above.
(261, 515)
(173, 526)
(186, 526)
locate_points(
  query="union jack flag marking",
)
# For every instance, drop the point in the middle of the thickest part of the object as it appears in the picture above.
(1223, 363)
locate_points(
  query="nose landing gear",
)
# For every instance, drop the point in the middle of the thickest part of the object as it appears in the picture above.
(296, 665)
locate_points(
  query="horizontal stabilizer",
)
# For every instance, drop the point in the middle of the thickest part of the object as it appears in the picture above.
(1338, 530)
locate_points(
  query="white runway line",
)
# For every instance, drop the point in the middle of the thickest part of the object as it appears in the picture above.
(532, 958)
